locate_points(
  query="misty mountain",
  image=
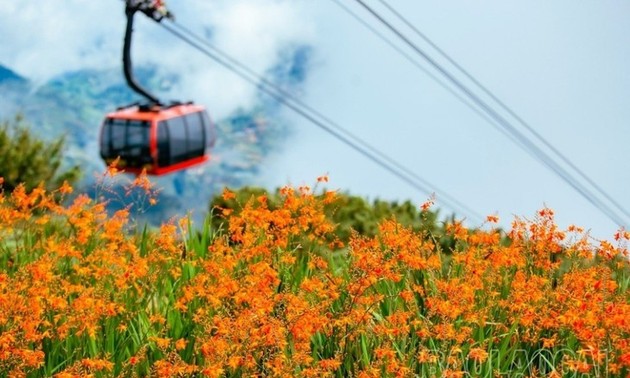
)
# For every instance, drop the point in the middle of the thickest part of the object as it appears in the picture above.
(73, 105)
(6, 76)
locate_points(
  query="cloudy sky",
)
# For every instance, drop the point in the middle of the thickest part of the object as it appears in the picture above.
(52, 37)
(561, 65)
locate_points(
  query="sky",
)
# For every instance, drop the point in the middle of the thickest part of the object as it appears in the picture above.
(561, 65)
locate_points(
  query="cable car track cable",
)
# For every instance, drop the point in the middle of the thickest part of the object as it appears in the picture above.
(523, 141)
(506, 108)
(424, 70)
(323, 122)
(329, 121)
(410, 59)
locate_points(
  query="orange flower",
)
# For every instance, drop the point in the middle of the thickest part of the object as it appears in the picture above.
(492, 219)
(428, 203)
(180, 344)
(65, 188)
(478, 354)
(228, 195)
(280, 294)
(112, 168)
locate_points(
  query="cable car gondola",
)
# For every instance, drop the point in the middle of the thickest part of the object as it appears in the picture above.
(153, 136)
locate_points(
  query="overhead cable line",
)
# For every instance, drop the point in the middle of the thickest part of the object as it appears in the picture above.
(523, 141)
(410, 59)
(262, 80)
(506, 108)
(316, 118)
(417, 64)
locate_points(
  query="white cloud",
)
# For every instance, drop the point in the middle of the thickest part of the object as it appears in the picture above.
(43, 39)
(252, 31)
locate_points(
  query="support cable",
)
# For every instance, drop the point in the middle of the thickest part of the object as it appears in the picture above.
(316, 118)
(506, 108)
(523, 141)
(425, 71)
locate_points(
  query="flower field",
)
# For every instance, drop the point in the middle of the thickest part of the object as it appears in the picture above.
(276, 293)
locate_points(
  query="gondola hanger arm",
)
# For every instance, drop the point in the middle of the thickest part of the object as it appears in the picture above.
(157, 11)
(154, 9)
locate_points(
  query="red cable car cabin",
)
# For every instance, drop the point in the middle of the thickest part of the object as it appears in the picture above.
(153, 137)
(160, 140)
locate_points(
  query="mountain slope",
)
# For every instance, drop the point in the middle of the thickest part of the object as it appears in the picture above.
(7, 75)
